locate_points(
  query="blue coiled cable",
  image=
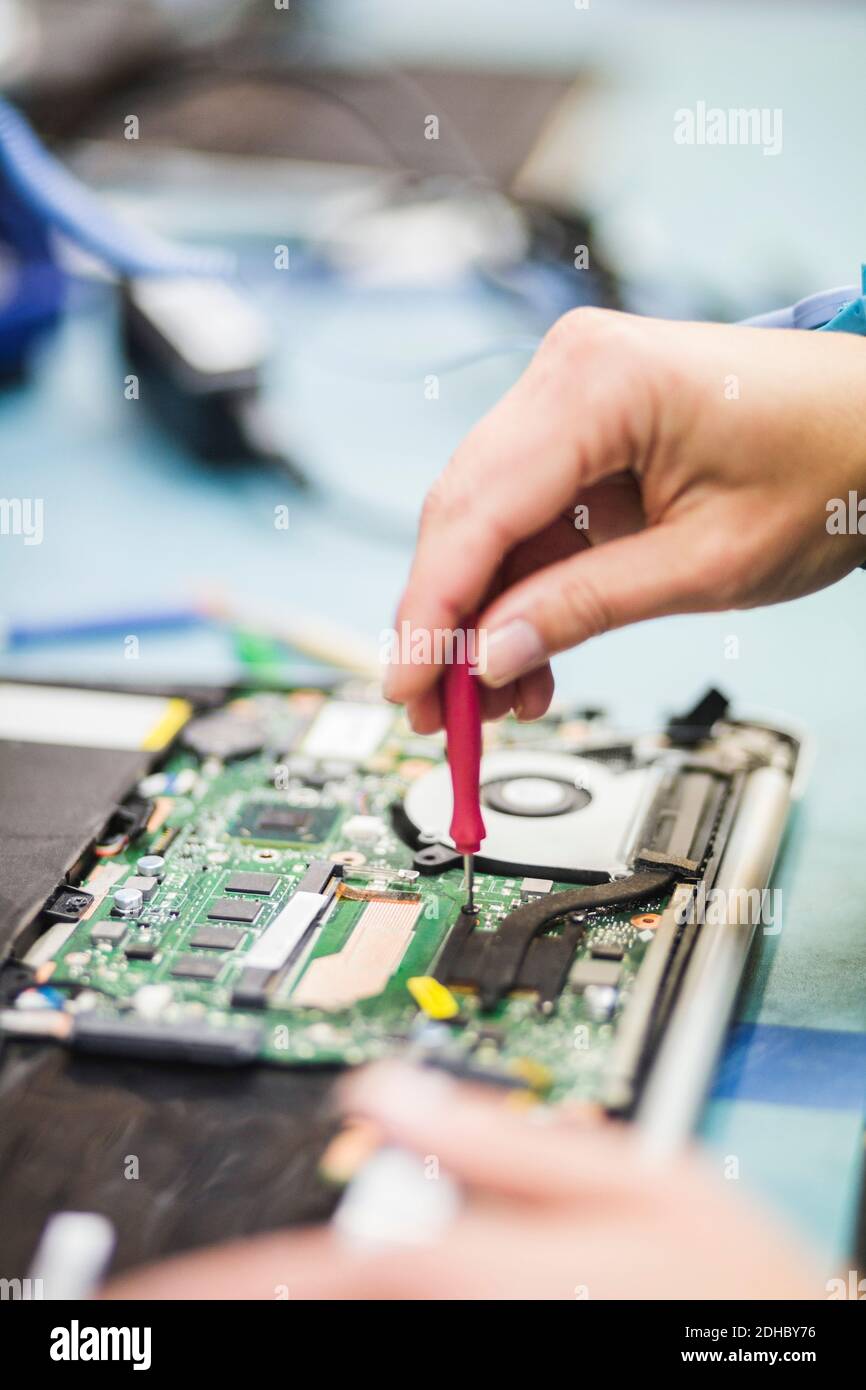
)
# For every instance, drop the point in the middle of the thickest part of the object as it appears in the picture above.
(40, 182)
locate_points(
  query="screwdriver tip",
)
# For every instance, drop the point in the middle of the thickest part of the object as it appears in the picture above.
(469, 866)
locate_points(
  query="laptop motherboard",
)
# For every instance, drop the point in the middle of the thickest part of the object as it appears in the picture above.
(281, 888)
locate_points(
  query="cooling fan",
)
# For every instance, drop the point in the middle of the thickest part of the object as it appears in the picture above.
(550, 814)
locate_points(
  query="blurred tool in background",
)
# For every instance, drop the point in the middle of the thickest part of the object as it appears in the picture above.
(237, 125)
(266, 130)
(237, 80)
(262, 640)
(198, 348)
(220, 80)
(194, 339)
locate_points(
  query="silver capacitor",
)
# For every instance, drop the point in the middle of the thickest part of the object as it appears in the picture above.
(128, 901)
(151, 865)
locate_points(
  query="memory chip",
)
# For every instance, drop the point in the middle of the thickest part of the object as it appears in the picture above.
(196, 968)
(217, 938)
(140, 950)
(252, 883)
(233, 910)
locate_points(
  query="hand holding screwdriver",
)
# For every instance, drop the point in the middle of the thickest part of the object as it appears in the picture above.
(686, 505)
(462, 711)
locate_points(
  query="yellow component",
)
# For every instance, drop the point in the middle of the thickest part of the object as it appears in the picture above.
(177, 712)
(349, 1150)
(522, 1100)
(432, 997)
(537, 1077)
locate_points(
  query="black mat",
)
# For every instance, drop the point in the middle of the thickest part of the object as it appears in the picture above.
(220, 1153)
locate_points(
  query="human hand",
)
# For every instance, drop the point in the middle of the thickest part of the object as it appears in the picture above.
(557, 1206)
(705, 456)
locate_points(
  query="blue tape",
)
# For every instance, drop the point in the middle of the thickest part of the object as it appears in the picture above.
(811, 1067)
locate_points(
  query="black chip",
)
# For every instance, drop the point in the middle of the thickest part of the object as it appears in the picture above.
(602, 951)
(140, 950)
(697, 724)
(250, 991)
(318, 875)
(233, 910)
(281, 824)
(68, 905)
(217, 938)
(196, 968)
(252, 883)
(188, 1041)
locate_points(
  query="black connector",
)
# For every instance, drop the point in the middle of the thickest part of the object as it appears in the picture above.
(198, 348)
(179, 1042)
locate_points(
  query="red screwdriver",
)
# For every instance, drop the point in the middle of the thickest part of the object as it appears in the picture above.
(462, 709)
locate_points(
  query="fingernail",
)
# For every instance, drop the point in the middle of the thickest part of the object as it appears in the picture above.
(389, 682)
(393, 1093)
(511, 650)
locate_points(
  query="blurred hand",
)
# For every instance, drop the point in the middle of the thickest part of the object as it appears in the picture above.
(557, 1207)
(705, 456)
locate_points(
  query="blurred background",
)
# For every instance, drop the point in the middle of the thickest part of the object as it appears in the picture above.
(411, 194)
(207, 477)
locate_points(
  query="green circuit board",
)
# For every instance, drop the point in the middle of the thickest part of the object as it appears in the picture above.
(276, 811)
